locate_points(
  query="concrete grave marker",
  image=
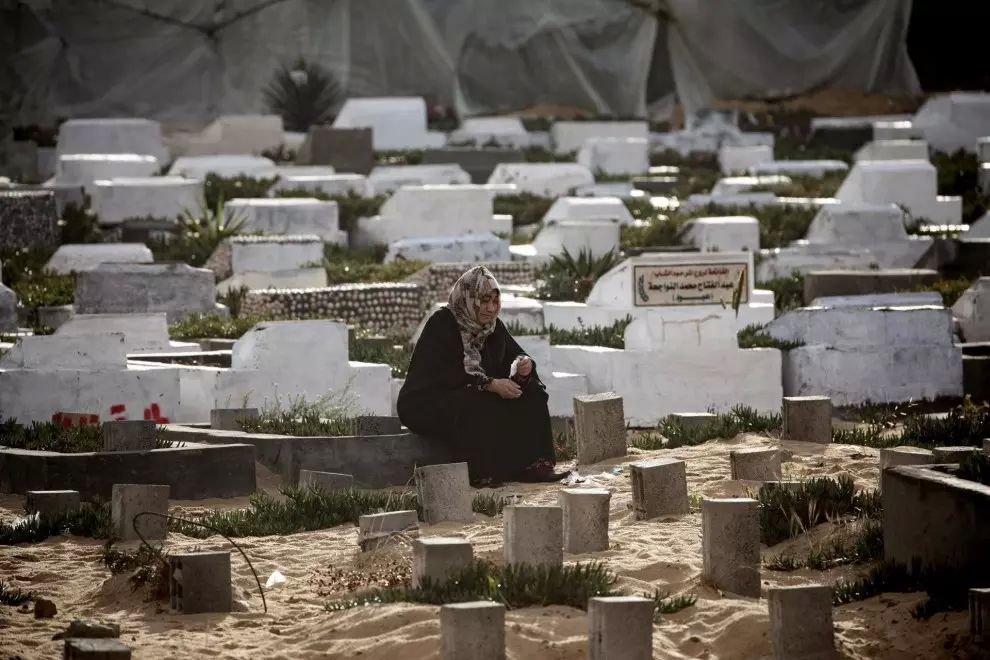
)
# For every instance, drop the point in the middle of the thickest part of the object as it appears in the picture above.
(96, 649)
(659, 488)
(386, 179)
(808, 419)
(52, 501)
(439, 557)
(731, 545)
(599, 427)
(755, 464)
(325, 480)
(129, 435)
(200, 582)
(397, 123)
(533, 535)
(801, 622)
(544, 179)
(725, 234)
(346, 149)
(128, 500)
(615, 156)
(585, 512)
(693, 420)
(199, 167)
(472, 631)
(620, 628)
(953, 454)
(570, 136)
(444, 492)
(376, 529)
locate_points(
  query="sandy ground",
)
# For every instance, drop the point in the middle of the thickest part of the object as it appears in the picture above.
(646, 555)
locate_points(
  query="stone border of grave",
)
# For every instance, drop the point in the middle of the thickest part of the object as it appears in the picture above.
(375, 461)
(933, 515)
(193, 471)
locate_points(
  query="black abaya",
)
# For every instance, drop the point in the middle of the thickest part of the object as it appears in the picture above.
(498, 438)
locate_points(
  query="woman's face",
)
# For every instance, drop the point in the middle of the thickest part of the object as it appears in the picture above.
(489, 307)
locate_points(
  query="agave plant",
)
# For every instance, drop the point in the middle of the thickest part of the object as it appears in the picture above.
(570, 278)
(304, 94)
(202, 231)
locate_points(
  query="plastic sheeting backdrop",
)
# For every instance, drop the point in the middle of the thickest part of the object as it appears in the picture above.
(190, 61)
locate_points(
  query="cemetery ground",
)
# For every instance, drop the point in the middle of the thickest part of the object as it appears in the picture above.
(311, 613)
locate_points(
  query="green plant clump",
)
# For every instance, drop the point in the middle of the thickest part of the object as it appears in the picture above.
(671, 432)
(610, 336)
(752, 337)
(45, 289)
(92, 521)
(50, 436)
(786, 512)
(667, 604)
(391, 350)
(570, 278)
(211, 326)
(958, 174)
(788, 292)
(489, 504)
(976, 468)
(965, 425)
(218, 189)
(332, 415)
(515, 586)
(304, 94)
(302, 510)
(950, 290)
(346, 266)
(148, 565)
(13, 597)
(525, 208)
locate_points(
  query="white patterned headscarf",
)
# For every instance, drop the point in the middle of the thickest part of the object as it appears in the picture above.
(464, 302)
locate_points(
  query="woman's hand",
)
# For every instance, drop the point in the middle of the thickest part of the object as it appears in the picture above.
(505, 388)
(524, 366)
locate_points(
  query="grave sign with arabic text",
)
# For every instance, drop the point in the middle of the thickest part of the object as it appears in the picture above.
(689, 284)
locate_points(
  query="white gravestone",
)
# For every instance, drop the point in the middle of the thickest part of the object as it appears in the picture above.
(160, 197)
(111, 136)
(70, 257)
(908, 183)
(84, 169)
(334, 185)
(288, 216)
(198, 167)
(397, 123)
(615, 156)
(589, 208)
(544, 179)
(388, 178)
(570, 136)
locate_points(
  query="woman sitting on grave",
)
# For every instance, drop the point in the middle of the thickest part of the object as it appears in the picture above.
(472, 387)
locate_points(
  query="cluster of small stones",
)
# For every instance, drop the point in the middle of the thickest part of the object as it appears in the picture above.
(221, 262)
(379, 307)
(439, 278)
(27, 218)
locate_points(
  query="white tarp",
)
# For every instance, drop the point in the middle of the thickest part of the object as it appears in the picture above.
(188, 62)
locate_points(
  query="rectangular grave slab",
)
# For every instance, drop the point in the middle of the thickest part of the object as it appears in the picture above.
(600, 427)
(325, 480)
(117, 135)
(478, 163)
(755, 464)
(345, 149)
(397, 122)
(229, 419)
(377, 528)
(444, 492)
(129, 435)
(177, 289)
(819, 283)
(159, 197)
(52, 501)
(935, 517)
(200, 582)
(288, 216)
